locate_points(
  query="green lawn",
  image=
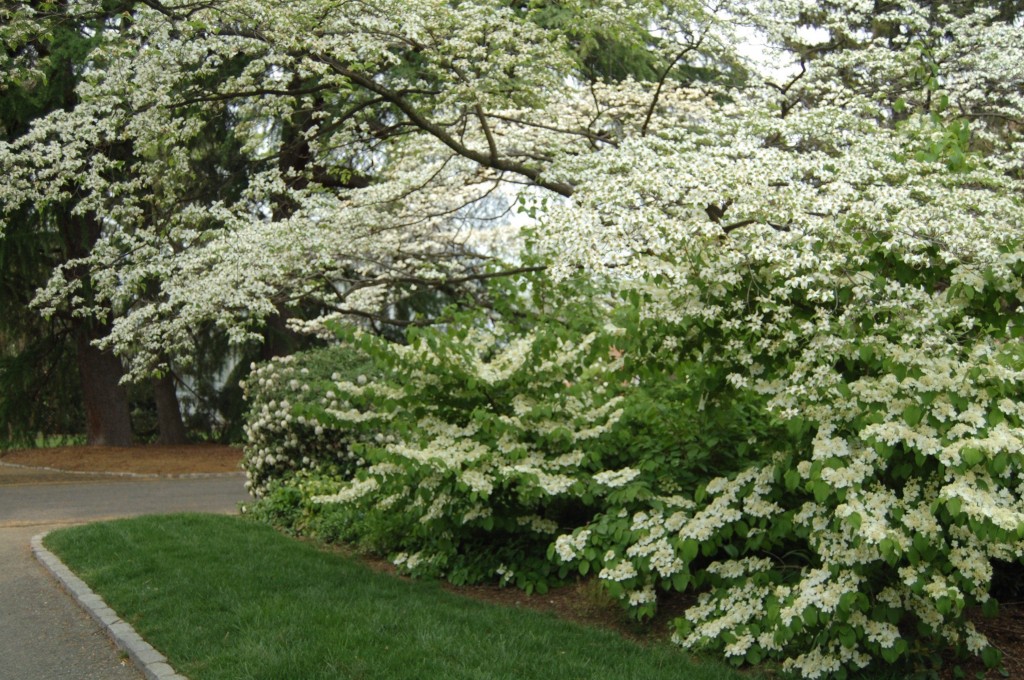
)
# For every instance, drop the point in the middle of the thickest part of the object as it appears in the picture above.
(227, 598)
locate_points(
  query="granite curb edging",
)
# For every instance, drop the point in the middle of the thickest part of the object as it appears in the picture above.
(152, 663)
(139, 475)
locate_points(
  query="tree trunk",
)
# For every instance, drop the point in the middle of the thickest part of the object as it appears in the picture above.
(278, 339)
(107, 414)
(168, 411)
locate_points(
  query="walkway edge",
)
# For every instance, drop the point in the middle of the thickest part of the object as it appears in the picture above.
(152, 663)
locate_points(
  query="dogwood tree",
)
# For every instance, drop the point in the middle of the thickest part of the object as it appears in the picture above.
(833, 223)
(438, 105)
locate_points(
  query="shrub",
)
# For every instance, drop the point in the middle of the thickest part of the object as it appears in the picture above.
(869, 532)
(832, 471)
(279, 442)
(483, 439)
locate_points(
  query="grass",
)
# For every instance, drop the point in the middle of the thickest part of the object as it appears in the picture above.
(225, 598)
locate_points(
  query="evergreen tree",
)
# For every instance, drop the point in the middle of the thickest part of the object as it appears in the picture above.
(50, 373)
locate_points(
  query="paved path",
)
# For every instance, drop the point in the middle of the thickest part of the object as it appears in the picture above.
(44, 635)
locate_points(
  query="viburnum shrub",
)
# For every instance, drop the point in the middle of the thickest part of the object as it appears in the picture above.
(871, 531)
(277, 442)
(832, 470)
(483, 439)
(877, 312)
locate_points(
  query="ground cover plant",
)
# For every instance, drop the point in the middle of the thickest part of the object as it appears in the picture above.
(226, 598)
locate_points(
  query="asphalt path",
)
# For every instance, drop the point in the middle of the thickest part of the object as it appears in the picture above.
(44, 635)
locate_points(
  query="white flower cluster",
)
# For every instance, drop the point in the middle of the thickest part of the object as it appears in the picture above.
(614, 479)
(570, 547)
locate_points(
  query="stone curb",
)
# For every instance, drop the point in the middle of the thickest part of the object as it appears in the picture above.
(134, 475)
(152, 663)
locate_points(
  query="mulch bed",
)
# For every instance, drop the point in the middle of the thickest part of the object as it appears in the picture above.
(148, 459)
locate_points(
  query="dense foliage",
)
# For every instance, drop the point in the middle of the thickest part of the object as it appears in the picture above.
(479, 441)
(277, 441)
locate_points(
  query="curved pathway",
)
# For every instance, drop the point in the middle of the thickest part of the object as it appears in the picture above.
(44, 635)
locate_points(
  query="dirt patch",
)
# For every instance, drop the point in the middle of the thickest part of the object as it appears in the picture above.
(149, 459)
(1006, 633)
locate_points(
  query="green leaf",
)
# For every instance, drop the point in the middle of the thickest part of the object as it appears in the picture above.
(796, 427)
(689, 550)
(991, 657)
(954, 505)
(792, 478)
(584, 568)
(890, 654)
(888, 549)
(680, 580)
(972, 455)
(912, 415)
(956, 159)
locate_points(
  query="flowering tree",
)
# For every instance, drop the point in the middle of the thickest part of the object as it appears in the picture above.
(51, 49)
(366, 138)
(830, 239)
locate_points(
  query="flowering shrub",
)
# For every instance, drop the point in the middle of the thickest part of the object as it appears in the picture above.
(482, 440)
(833, 485)
(872, 529)
(277, 442)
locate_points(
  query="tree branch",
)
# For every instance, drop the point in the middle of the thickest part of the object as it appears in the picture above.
(492, 147)
(661, 84)
(418, 119)
(227, 96)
